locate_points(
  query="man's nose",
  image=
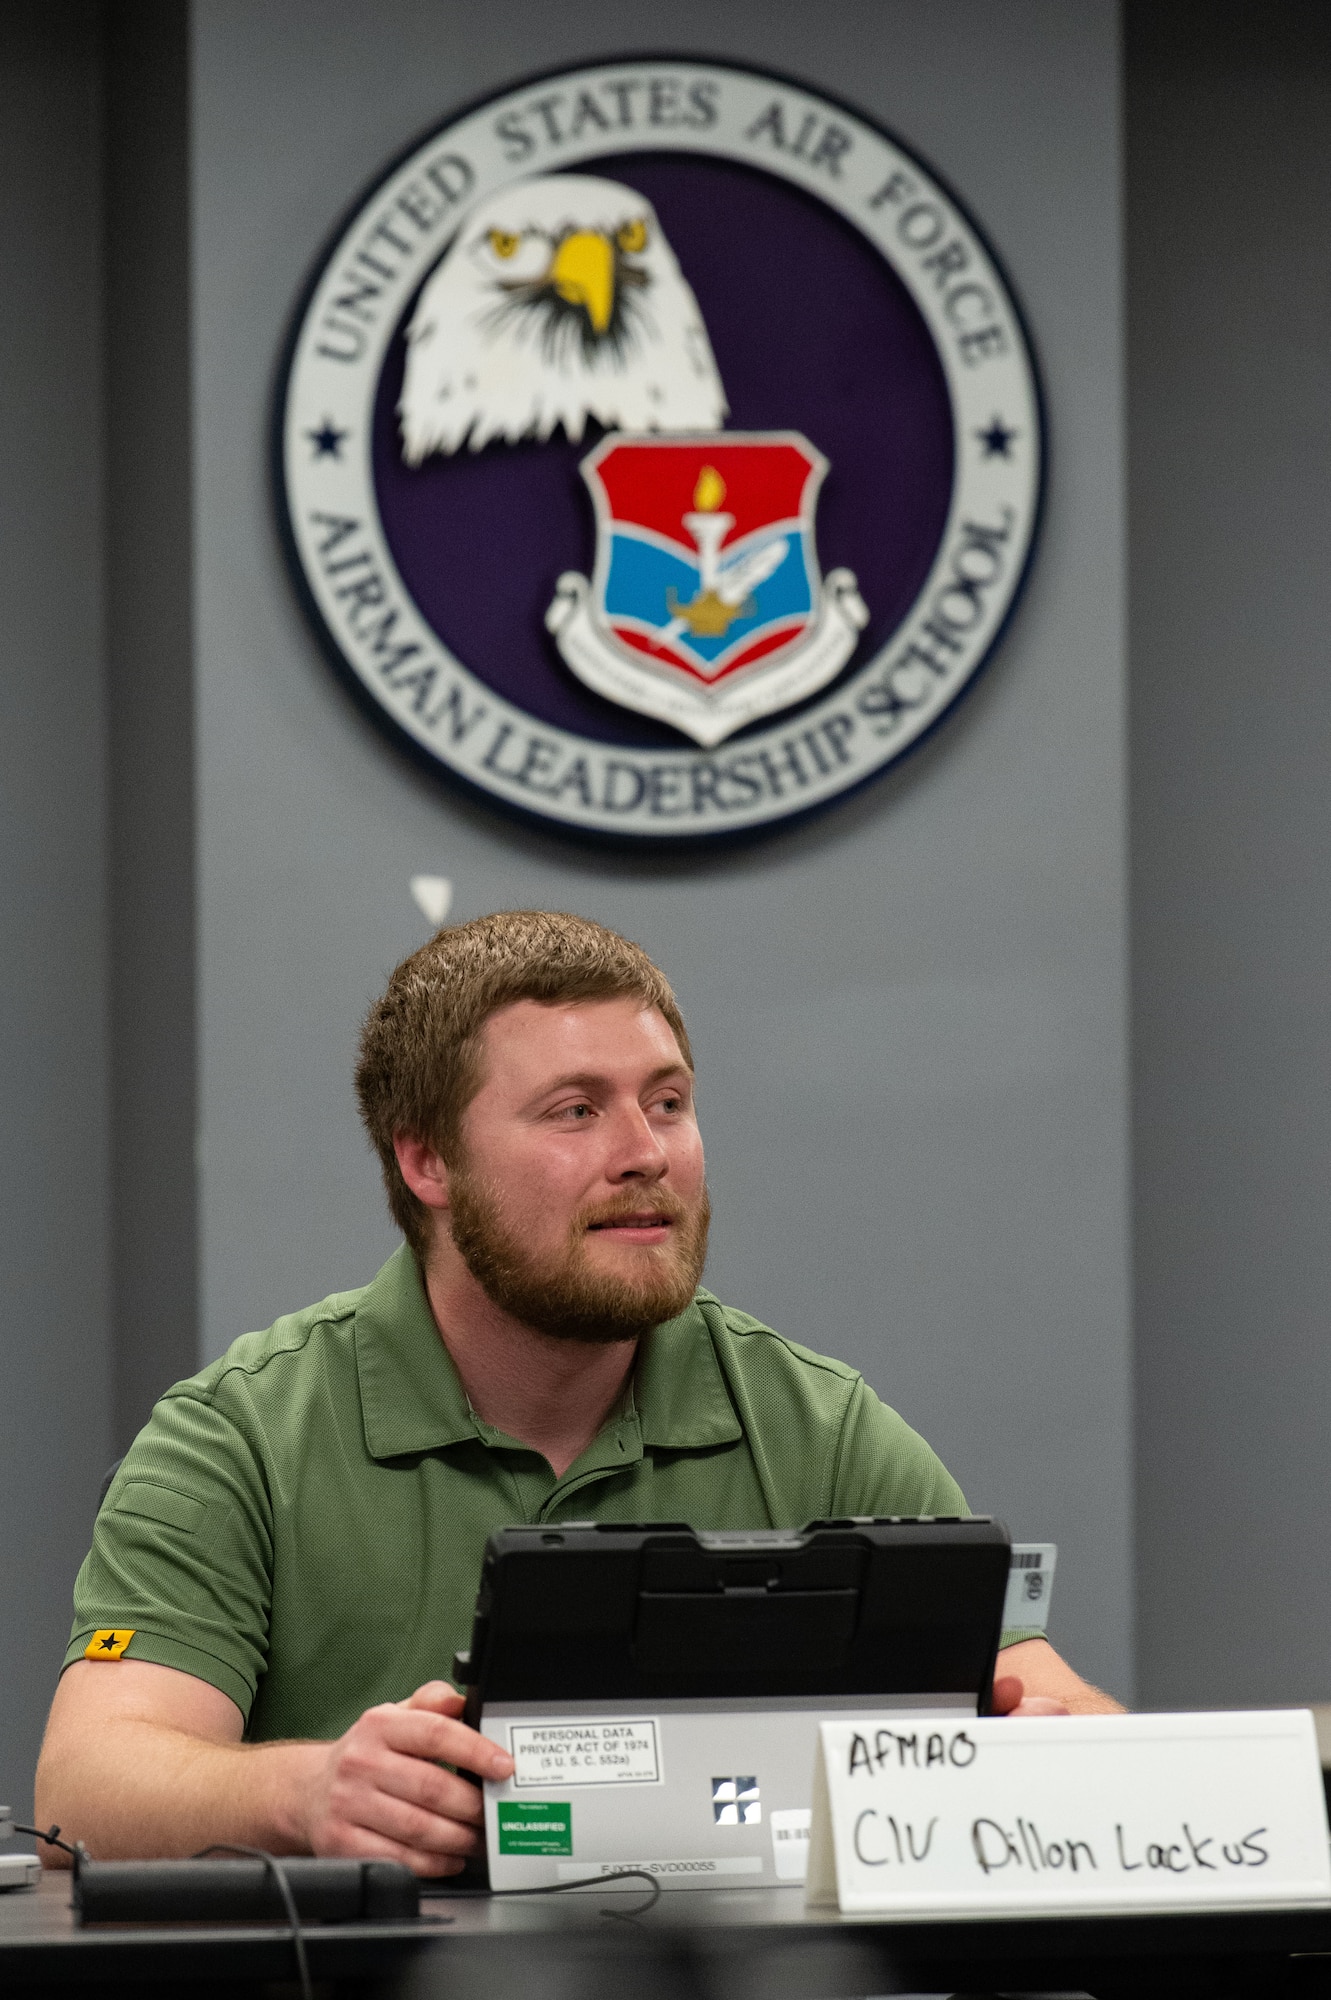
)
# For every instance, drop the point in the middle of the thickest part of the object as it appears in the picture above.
(636, 1151)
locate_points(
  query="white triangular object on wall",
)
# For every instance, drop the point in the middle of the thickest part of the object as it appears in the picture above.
(433, 896)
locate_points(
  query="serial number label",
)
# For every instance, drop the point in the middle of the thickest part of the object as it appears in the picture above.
(584, 1753)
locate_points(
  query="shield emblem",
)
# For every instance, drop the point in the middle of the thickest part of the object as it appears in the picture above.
(706, 607)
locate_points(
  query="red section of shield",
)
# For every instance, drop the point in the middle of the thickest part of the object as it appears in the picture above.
(655, 482)
(771, 642)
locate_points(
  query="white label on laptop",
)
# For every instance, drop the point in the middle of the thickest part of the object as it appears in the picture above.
(790, 1842)
(1030, 1585)
(682, 1872)
(583, 1751)
(1033, 1814)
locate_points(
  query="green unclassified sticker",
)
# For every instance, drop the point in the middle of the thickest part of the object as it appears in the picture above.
(528, 1828)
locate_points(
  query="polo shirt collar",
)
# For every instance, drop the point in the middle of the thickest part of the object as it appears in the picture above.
(410, 1393)
(681, 1396)
(413, 1400)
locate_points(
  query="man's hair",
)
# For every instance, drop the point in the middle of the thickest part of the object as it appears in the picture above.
(419, 1064)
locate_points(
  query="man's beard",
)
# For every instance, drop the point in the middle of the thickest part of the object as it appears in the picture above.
(565, 1297)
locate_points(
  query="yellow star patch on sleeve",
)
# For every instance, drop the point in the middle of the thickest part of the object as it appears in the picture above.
(107, 1645)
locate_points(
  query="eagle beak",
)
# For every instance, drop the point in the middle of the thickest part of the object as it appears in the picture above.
(583, 274)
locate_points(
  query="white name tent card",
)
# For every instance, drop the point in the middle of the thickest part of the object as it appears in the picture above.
(1045, 1814)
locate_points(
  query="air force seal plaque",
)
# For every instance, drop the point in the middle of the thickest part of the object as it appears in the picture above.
(659, 448)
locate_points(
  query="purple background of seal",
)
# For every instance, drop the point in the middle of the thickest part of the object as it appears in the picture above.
(812, 331)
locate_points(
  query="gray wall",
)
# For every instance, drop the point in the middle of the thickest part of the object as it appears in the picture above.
(1229, 188)
(911, 1016)
(55, 1376)
(150, 838)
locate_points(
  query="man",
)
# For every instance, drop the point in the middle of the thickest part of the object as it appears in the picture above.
(288, 1555)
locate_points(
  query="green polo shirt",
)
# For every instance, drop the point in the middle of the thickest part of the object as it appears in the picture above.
(302, 1524)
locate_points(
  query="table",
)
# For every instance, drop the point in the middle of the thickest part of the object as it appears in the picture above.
(715, 1944)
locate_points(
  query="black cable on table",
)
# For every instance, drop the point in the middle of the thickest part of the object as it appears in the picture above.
(583, 1882)
(283, 1881)
(51, 1838)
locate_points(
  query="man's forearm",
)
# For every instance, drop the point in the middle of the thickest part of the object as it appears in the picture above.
(139, 1789)
(1042, 1673)
(145, 1760)
(1093, 1701)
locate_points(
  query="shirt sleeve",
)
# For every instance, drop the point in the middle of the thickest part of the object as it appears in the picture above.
(182, 1550)
(887, 1468)
(884, 1467)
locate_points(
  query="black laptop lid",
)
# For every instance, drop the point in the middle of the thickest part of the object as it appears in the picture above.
(601, 1612)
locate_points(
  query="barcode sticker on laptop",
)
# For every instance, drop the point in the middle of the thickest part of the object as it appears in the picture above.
(1030, 1585)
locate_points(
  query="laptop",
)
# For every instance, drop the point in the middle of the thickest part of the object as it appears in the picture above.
(660, 1687)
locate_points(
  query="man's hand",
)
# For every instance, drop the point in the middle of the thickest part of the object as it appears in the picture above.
(1011, 1698)
(379, 1789)
(1031, 1679)
(141, 1760)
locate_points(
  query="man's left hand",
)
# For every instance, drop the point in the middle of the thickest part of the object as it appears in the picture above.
(1011, 1698)
(1031, 1679)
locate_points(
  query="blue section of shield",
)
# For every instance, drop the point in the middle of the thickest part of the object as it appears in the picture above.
(642, 577)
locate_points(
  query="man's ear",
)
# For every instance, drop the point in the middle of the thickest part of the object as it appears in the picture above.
(423, 1169)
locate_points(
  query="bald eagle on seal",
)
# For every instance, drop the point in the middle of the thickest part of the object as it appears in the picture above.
(558, 302)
